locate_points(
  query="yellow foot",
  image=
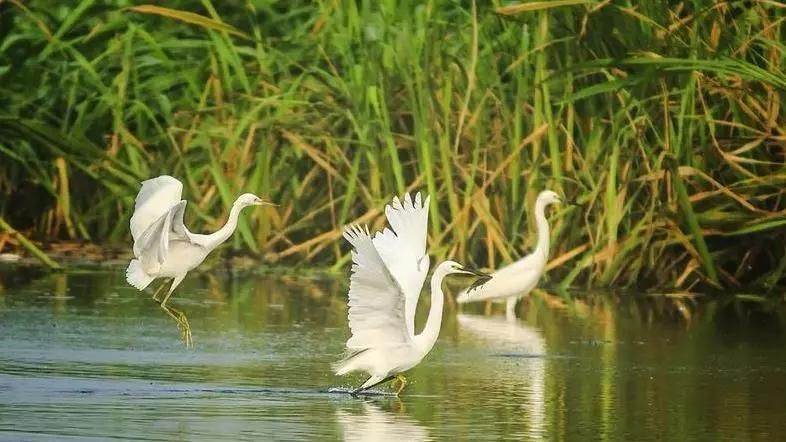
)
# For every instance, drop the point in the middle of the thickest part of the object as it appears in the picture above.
(182, 325)
(185, 330)
(402, 381)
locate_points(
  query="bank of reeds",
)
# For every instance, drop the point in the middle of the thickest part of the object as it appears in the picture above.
(661, 120)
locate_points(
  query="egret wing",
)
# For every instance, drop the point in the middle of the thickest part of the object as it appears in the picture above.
(179, 230)
(152, 246)
(154, 199)
(403, 248)
(376, 301)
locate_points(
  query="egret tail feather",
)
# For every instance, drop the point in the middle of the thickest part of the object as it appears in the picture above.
(136, 276)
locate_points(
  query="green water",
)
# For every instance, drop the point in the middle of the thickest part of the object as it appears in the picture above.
(84, 356)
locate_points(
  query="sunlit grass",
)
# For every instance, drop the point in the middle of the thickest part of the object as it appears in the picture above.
(663, 122)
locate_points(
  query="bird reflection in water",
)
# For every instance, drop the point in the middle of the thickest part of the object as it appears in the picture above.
(377, 424)
(510, 338)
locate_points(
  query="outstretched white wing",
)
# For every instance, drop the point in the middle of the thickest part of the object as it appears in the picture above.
(156, 197)
(376, 301)
(403, 249)
(152, 245)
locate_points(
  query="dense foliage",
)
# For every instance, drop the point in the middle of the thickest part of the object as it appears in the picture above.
(661, 120)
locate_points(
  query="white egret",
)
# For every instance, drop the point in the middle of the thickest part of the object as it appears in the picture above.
(402, 248)
(381, 343)
(164, 247)
(519, 278)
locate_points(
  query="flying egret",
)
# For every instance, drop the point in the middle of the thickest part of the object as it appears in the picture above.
(164, 247)
(517, 279)
(381, 343)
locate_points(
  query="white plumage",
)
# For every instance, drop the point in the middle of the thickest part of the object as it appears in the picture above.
(163, 246)
(156, 197)
(403, 249)
(376, 311)
(519, 278)
(382, 343)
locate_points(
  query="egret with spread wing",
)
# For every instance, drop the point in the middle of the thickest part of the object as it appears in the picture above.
(519, 278)
(382, 343)
(164, 247)
(402, 247)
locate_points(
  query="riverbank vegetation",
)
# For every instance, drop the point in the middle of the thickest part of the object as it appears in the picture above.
(661, 120)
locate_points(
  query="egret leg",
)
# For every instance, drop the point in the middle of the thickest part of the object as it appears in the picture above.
(175, 282)
(182, 325)
(510, 308)
(158, 291)
(182, 321)
(403, 382)
(362, 388)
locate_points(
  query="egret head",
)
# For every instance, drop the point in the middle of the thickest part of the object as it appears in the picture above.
(249, 199)
(548, 197)
(454, 268)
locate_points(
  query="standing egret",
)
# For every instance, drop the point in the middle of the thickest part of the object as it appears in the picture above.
(164, 247)
(381, 344)
(517, 279)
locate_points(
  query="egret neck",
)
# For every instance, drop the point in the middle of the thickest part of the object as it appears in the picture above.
(542, 248)
(426, 339)
(216, 238)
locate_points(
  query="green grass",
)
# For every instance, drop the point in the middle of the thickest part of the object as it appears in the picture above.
(662, 119)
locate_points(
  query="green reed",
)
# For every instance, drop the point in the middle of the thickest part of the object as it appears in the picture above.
(661, 121)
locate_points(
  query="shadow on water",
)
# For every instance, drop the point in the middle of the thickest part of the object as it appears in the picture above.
(84, 356)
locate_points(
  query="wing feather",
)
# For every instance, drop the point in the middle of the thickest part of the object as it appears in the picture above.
(376, 301)
(152, 246)
(403, 248)
(154, 199)
(179, 230)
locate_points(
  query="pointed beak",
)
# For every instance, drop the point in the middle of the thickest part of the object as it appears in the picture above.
(482, 277)
(474, 272)
(261, 202)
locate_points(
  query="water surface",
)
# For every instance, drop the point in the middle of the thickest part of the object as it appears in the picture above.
(84, 356)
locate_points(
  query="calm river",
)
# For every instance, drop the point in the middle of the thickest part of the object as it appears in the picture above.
(84, 356)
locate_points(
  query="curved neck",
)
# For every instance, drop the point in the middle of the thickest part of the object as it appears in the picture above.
(542, 248)
(426, 339)
(222, 234)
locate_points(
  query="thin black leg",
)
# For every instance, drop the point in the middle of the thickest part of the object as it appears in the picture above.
(359, 389)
